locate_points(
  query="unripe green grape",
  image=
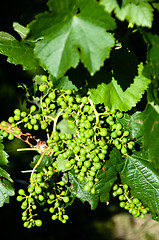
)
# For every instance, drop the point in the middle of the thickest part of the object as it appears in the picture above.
(36, 127)
(43, 125)
(126, 133)
(19, 198)
(87, 188)
(16, 117)
(124, 140)
(121, 197)
(135, 200)
(38, 223)
(130, 145)
(115, 194)
(119, 114)
(119, 191)
(66, 217)
(33, 108)
(122, 204)
(54, 217)
(84, 100)
(47, 101)
(118, 126)
(68, 165)
(5, 134)
(26, 119)
(144, 211)
(26, 224)
(30, 189)
(101, 156)
(33, 121)
(65, 116)
(17, 112)
(142, 216)
(66, 199)
(125, 187)
(97, 166)
(123, 150)
(37, 116)
(52, 95)
(29, 126)
(10, 136)
(113, 134)
(38, 190)
(115, 187)
(42, 88)
(44, 78)
(51, 210)
(11, 119)
(23, 114)
(71, 125)
(103, 132)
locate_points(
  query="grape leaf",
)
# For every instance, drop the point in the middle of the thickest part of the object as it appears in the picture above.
(6, 187)
(143, 181)
(18, 52)
(140, 13)
(108, 174)
(70, 32)
(114, 97)
(3, 155)
(146, 125)
(77, 190)
(20, 29)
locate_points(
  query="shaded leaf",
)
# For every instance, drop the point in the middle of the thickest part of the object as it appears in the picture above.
(18, 53)
(77, 190)
(146, 125)
(108, 175)
(6, 187)
(143, 181)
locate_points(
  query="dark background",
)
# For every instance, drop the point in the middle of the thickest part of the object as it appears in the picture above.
(84, 223)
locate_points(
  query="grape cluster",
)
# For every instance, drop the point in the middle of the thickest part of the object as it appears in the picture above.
(94, 129)
(48, 190)
(132, 204)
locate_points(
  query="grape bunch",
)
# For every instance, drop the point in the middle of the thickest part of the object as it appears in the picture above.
(48, 190)
(132, 204)
(93, 130)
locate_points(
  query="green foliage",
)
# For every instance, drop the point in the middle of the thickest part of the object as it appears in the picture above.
(6, 187)
(58, 31)
(95, 110)
(114, 97)
(23, 54)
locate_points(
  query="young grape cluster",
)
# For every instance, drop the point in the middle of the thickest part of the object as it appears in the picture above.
(92, 132)
(132, 204)
(48, 190)
(94, 129)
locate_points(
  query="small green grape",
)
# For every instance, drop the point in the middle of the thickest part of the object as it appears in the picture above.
(33, 108)
(42, 88)
(66, 199)
(38, 223)
(10, 136)
(17, 112)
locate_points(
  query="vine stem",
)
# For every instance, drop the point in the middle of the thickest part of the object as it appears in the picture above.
(55, 122)
(38, 163)
(95, 111)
